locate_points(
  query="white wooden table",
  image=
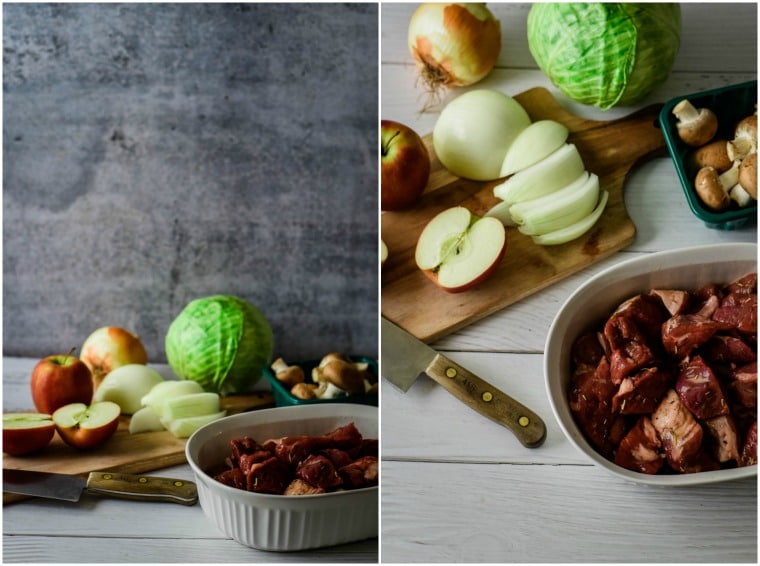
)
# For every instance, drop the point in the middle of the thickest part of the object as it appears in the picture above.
(458, 488)
(98, 529)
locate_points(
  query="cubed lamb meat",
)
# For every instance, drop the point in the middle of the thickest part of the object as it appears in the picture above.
(700, 391)
(675, 301)
(234, 477)
(244, 445)
(588, 349)
(269, 476)
(683, 333)
(646, 311)
(338, 457)
(319, 471)
(705, 300)
(746, 284)
(726, 349)
(629, 350)
(749, 449)
(300, 487)
(292, 450)
(708, 308)
(640, 448)
(722, 437)
(590, 400)
(704, 462)
(679, 432)
(642, 392)
(738, 311)
(743, 385)
(361, 473)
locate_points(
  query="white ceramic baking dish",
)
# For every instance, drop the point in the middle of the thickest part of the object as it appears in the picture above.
(279, 522)
(595, 300)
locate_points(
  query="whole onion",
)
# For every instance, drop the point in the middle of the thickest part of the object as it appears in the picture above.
(454, 44)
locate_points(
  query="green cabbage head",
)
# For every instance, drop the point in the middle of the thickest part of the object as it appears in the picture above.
(605, 54)
(222, 342)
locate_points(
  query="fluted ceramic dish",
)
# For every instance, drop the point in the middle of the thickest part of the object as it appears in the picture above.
(280, 522)
(595, 300)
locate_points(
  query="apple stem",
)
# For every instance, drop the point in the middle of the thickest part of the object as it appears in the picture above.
(384, 148)
(71, 352)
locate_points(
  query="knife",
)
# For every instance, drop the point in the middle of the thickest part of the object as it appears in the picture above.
(110, 484)
(404, 358)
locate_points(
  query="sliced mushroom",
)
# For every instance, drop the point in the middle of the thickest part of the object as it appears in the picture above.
(696, 126)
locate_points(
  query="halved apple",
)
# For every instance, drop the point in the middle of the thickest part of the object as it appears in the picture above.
(459, 250)
(86, 427)
(24, 433)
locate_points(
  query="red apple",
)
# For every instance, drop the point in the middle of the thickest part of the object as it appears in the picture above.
(405, 166)
(110, 347)
(59, 380)
(24, 433)
(459, 250)
(85, 427)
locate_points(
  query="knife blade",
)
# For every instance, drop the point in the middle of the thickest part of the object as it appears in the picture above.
(109, 484)
(404, 358)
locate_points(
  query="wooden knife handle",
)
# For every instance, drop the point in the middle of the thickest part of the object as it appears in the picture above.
(489, 401)
(141, 487)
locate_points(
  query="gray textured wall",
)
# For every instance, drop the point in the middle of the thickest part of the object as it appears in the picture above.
(155, 153)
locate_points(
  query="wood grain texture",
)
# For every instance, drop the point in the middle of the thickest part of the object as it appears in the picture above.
(610, 149)
(123, 452)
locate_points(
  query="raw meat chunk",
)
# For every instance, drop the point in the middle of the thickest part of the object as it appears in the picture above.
(641, 393)
(723, 438)
(680, 434)
(640, 449)
(700, 390)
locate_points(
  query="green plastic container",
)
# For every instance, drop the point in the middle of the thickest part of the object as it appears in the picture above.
(283, 397)
(730, 104)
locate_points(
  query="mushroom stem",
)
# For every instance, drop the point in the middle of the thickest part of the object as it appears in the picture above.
(685, 111)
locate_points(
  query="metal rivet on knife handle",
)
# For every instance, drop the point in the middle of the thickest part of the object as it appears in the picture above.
(523, 421)
(451, 372)
(487, 396)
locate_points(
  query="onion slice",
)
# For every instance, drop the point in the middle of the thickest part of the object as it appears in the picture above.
(559, 209)
(533, 144)
(548, 175)
(575, 230)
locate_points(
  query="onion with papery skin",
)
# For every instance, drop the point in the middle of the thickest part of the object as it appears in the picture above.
(454, 44)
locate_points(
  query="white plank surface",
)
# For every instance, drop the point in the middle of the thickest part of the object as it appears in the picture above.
(457, 487)
(98, 529)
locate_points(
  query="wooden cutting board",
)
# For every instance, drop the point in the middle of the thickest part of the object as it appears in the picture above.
(123, 452)
(609, 149)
